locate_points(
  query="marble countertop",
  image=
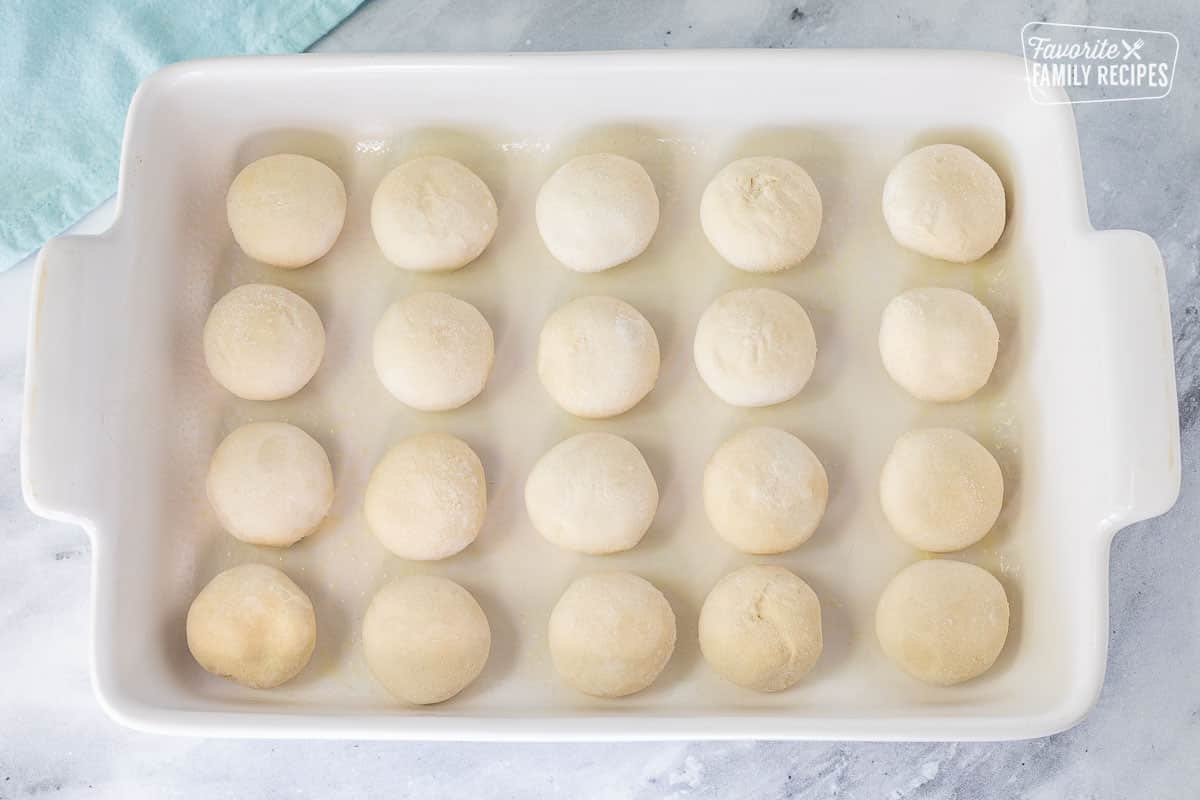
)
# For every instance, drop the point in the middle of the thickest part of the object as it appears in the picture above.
(1141, 162)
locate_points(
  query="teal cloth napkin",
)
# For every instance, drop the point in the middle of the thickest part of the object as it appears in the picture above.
(68, 69)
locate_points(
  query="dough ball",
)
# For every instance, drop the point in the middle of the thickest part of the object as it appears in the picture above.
(426, 499)
(939, 345)
(940, 489)
(270, 483)
(942, 622)
(432, 214)
(762, 214)
(765, 491)
(593, 494)
(286, 210)
(755, 347)
(262, 342)
(945, 202)
(597, 357)
(760, 627)
(597, 211)
(253, 625)
(611, 634)
(433, 351)
(425, 638)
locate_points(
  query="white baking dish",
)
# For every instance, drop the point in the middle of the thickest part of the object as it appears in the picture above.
(121, 416)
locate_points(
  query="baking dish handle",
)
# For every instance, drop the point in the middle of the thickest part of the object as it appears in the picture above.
(1145, 425)
(71, 341)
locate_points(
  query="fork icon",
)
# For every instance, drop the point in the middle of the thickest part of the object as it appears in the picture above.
(1132, 49)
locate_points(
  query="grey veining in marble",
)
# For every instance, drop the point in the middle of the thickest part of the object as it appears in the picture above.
(1141, 161)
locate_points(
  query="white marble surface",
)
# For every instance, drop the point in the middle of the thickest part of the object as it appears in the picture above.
(1141, 741)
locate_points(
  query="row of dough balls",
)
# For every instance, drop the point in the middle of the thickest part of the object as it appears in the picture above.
(762, 214)
(426, 638)
(764, 491)
(597, 356)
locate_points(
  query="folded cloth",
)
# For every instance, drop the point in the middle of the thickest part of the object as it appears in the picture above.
(68, 69)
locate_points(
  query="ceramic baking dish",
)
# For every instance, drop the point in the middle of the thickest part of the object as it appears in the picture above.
(121, 416)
